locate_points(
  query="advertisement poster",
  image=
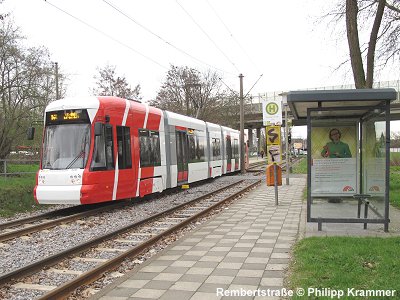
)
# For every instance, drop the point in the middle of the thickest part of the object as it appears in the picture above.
(334, 161)
(334, 177)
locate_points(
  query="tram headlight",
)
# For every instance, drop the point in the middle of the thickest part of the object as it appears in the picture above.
(75, 179)
(41, 179)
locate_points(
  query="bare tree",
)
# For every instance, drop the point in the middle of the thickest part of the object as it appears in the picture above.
(108, 83)
(379, 21)
(394, 139)
(189, 92)
(27, 85)
(3, 15)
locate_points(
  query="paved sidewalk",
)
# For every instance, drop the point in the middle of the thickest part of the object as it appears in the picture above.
(247, 246)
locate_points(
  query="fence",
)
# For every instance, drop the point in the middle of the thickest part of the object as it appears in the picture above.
(18, 167)
(256, 100)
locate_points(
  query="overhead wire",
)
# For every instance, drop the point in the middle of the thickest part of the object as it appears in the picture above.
(253, 85)
(235, 93)
(161, 38)
(107, 35)
(136, 51)
(231, 35)
(208, 36)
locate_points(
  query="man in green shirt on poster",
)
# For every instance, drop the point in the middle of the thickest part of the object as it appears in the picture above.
(336, 148)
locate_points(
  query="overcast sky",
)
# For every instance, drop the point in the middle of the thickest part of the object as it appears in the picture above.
(279, 39)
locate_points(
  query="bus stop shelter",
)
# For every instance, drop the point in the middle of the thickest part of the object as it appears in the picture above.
(348, 154)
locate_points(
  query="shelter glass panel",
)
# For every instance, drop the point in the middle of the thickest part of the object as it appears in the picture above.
(334, 167)
(374, 164)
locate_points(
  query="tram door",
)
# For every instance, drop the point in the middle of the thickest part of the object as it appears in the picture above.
(228, 154)
(182, 150)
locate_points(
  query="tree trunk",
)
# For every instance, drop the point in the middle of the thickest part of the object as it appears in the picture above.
(354, 44)
(372, 43)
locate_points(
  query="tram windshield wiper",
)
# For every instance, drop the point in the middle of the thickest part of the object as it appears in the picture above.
(80, 155)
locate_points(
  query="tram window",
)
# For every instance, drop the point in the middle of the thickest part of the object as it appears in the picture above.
(124, 147)
(150, 154)
(196, 148)
(216, 149)
(103, 158)
(235, 149)
(228, 148)
(192, 148)
(109, 147)
(99, 155)
(200, 145)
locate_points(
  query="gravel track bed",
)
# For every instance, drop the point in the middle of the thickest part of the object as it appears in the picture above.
(42, 244)
(35, 213)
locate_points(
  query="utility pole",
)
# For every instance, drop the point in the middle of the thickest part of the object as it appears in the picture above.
(242, 148)
(287, 143)
(57, 94)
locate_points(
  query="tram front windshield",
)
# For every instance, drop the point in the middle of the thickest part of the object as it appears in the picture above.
(66, 145)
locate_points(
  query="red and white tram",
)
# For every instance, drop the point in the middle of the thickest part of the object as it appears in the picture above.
(98, 149)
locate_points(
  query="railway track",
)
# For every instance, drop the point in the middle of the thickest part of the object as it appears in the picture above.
(258, 168)
(112, 248)
(20, 227)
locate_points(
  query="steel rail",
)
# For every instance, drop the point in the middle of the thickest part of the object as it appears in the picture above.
(55, 258)
(50, 214)
(91, 275)
(53, 223)
(37, 217)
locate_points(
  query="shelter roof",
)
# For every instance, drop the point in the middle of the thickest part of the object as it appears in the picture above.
(338, 103)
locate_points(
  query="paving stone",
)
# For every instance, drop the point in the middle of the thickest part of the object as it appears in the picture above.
(186, 286)
(219, 279)
(250, 273)
(212, 258)
(235, 266)
(212, 287)
(195, 277)
(122, 293)
(153, 269)
(271, 282)
(183, 263)
(149, 293)
(114, 298)
(134, 283)
(168, 276)
(200, 271)
(238, 254)
(256, 260)
(159, 284)
(176, 295)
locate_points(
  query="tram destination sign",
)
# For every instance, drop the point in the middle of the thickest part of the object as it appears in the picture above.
(67, 116)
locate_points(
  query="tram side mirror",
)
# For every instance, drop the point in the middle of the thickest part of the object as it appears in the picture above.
(98, 129)
(30, 133)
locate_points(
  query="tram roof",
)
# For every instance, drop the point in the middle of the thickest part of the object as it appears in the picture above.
(338, 103)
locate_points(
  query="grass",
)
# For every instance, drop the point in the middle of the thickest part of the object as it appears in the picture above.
(15, 168)
(395, 158)
(394, 186)
(300, 167)
(340, 263)
(16, 193)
